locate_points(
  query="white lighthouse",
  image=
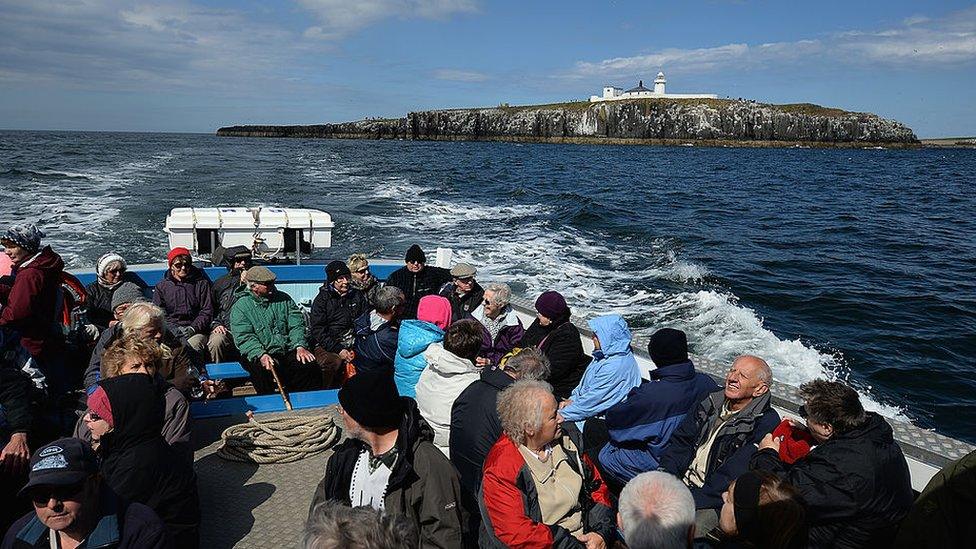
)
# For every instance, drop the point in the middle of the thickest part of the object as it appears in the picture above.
(659, 83)
(613, 93)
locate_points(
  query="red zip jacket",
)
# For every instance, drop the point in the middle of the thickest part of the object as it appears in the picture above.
(30, 304)
(511, 516)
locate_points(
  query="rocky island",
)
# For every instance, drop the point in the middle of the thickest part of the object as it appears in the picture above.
(633, 121)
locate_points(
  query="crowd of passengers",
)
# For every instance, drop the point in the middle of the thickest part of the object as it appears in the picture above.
(463, 427)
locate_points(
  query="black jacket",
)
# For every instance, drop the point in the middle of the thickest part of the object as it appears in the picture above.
(120, 526)
(99, 300)
(462, 306)
(375, 349)
(138, 464)
(224, 295)
(856, 486)
(417, 285)
(423, 487)
(15, 393)
(333, 316)
(475, 428)
(562, 346)
(734, 445)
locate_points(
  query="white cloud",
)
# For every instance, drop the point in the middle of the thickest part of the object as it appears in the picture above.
(920, 41)
(460, 76)
(340, 17)
(121, 46)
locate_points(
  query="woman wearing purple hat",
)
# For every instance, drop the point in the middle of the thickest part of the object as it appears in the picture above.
(557, 337)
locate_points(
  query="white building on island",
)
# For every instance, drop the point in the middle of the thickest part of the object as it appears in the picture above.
(611, 93)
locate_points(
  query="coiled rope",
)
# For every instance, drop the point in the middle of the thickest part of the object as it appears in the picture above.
(278, 440)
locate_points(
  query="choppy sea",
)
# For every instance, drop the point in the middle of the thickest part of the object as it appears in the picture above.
(851, 264)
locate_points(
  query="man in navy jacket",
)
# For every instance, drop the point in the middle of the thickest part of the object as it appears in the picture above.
(641, 425)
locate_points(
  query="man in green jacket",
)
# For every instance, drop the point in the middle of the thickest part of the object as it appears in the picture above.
(269, 331)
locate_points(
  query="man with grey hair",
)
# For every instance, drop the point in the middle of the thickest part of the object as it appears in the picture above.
(503, 329)
(656, 511)
(475, 426)
(332, 525)
(376, 331)
(718, 437)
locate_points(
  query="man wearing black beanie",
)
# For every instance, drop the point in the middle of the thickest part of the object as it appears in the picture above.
(388, 464)
(417, 280)
(332, 319)
(642, 424)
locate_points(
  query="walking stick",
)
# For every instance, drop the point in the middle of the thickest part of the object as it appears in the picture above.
(281, 388)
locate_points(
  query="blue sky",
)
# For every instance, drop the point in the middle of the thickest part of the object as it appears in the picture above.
(195, 65)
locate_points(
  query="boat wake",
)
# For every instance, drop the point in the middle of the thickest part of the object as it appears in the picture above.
(647, 282)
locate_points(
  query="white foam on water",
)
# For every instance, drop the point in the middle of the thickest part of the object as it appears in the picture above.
(74, 205)
(722, 328)
(516, 242)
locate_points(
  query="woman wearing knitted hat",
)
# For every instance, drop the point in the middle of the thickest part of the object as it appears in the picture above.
(111, 270)
(30, 302)
(185, 294)
(557, 338)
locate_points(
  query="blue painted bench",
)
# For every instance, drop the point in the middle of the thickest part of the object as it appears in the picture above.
(226, 370)
(262, 403)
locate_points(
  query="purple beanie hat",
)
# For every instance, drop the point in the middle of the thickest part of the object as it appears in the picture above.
(551, 305)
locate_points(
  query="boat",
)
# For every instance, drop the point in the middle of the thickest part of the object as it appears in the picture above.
(250, 505)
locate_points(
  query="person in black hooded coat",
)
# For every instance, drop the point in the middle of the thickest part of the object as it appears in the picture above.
(559, 340)
(137, 463)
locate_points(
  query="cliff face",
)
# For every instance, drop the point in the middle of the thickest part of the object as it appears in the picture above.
(637, 120)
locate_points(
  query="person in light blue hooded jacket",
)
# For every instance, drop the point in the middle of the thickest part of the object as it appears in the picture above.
(433, 318)
(610, 376)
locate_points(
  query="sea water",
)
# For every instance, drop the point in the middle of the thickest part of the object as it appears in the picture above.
(851, 264)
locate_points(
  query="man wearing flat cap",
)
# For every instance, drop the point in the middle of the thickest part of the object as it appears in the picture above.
(464, 292)
(388, 463)
(417, 280)
(74, 507)
(269, 331)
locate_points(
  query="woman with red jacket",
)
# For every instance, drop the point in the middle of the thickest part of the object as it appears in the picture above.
(538, 489)
(30, 302)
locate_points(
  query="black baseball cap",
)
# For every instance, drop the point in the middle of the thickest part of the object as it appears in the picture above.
(63, 462)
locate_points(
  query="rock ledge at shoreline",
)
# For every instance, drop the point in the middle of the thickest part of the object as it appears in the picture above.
(711, 122)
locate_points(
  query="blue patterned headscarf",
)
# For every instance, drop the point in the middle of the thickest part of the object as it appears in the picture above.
(25, 235)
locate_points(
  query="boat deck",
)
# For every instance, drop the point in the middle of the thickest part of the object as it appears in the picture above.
(250, 506)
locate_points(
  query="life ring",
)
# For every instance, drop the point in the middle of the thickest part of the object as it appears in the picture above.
(74, 295)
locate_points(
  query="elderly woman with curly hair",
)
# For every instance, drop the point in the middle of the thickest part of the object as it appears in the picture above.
(539, 489)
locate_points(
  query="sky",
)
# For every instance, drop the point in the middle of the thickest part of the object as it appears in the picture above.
(196, 65)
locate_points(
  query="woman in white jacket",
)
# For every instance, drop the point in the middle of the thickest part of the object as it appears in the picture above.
(450, 369)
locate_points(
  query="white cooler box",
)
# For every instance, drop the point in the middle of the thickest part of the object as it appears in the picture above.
(267, 232)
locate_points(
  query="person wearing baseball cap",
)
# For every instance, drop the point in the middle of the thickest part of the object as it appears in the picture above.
(226, 290)
(185, 294)
(387, 464)
(333, 318)
(74, 506)
(417, 280)
(464, 292)
(269, 330)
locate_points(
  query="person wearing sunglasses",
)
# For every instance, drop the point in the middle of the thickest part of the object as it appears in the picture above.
(111, 271)
(417, 280)
(185, 293)
(74, 507)
(361, 278)
(464, 292)
(226, 290)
